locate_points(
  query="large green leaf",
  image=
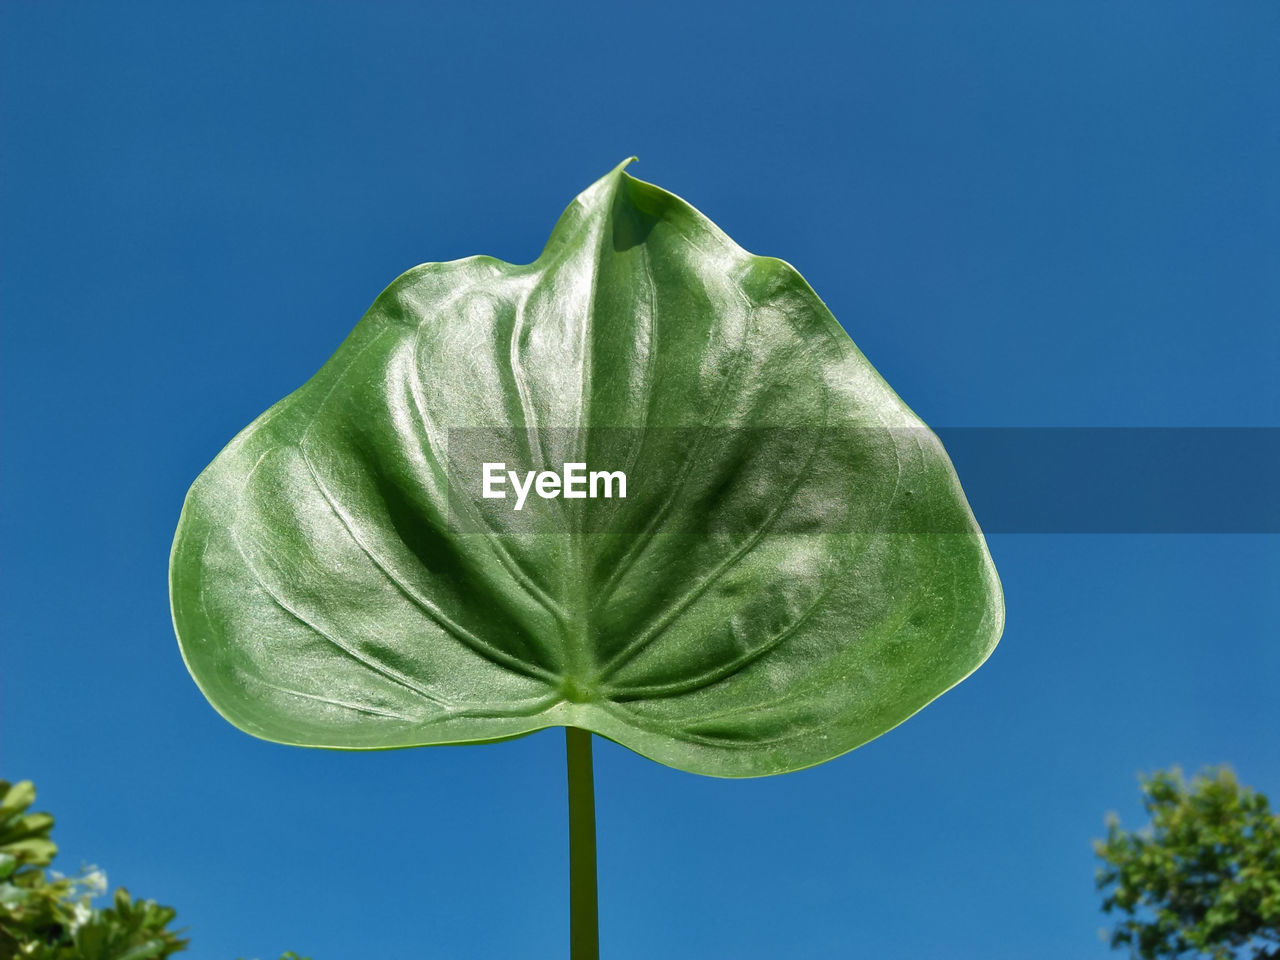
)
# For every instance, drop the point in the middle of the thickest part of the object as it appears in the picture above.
(794, 570)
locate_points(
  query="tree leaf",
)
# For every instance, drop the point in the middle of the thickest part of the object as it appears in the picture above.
(794, 569)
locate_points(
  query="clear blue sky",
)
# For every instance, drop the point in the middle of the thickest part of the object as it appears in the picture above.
(1025, 214)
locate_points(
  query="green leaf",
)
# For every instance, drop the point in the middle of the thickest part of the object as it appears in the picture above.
(24, 836)
(15, 797)
(794, 570)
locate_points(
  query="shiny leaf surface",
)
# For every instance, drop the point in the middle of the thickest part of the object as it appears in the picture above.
(794, 569)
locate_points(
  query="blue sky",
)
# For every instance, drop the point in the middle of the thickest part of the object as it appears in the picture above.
(1024, 214)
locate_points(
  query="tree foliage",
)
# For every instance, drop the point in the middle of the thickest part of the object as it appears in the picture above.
(46, 916)
(1203, 879)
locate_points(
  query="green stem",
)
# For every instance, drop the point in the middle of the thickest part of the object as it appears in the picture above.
(584, 923)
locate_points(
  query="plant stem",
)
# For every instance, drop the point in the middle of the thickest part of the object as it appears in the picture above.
(584, 922)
